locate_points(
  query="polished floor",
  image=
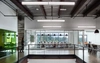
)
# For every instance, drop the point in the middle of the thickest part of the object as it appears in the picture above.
(9, 59)
(51, 61)
(89, 58)
(6, 52)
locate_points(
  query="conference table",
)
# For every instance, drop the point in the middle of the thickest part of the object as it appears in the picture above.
(64, 45)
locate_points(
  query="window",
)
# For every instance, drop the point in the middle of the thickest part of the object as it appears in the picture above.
(80, 38)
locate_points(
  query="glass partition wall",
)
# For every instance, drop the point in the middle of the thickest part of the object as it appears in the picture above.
(7, 42)
(39, 41)
(82, 38)
(38, 36)
(50, 37)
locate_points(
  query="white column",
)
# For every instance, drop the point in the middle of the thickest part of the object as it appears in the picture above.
(83, 38)
(70, 37)
(76, 36)
(73, 37)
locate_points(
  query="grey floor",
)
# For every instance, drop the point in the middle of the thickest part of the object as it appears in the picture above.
(89, 58)
(51, 61)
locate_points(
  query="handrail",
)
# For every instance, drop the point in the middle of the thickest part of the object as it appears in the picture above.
(70, 47)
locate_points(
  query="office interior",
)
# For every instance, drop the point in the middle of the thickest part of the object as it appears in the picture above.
(49, 29)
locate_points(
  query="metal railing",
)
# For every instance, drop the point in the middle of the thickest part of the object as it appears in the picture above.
(50, 49)
(61, 49)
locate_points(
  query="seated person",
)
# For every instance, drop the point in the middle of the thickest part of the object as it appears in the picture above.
(40, 44)
(61, 44)
(89, 47)
(57, 44)
(51, 44)
(44, 42)
(54, 45)
(64, 44)
(86, 44)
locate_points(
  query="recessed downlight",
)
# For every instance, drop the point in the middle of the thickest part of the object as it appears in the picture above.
(37, 9)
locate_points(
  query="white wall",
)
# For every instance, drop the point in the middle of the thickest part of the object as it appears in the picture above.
(71, 37)
(7, 23)
(76, 37)
(93, 38)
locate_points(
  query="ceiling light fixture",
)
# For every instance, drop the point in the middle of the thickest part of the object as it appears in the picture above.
(61, 3)
(54, 34)
(50, 20)
(86, 26)
(35, 3)
(66, 35)
(96, 31)
(52, 26)
(63, 9)
(48, 3)
(37, 9)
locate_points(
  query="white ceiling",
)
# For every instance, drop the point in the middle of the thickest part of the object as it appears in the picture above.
(69, 24)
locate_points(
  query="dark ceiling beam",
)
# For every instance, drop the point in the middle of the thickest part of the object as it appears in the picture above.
(24, 9)
(93, 6)
(42, 8)
(76, 8)
(52, 11)
(59, 10)
(44, 12)
(97, 14)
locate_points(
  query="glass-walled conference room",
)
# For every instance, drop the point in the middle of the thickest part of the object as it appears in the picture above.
(56, 38)
(52, 36)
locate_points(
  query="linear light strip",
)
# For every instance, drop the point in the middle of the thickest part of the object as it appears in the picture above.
(86, 26)
(63, 9)
(52, 26)
(35, 3)
(50, 20)
(48, 3)
(61, 3)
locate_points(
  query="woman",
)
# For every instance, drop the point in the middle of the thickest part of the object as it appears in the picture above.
(22, 44)
(89, 47)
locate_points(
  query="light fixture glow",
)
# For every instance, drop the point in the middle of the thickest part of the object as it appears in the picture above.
(37, 9)
(35, 3)
(63, 9)
(61, 3)
(52, 26)
(50, 20)
(48, 3)
(86, 26)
